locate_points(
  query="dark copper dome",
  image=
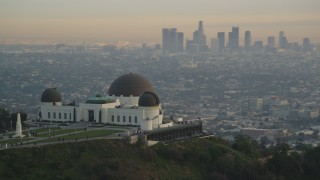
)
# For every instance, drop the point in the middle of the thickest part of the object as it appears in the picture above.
(130, 84)
(149, 99)
(51, 95)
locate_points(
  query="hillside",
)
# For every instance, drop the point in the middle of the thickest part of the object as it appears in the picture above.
(110, 159)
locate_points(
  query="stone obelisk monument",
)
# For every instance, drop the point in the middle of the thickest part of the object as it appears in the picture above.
(19, 127)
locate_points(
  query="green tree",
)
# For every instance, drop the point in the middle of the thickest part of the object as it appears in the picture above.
(4, 119)
(311, 163)
(284, 164)
(8, 121)
(246, 145)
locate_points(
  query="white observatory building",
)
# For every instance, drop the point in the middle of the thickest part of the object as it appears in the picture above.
(131, 100)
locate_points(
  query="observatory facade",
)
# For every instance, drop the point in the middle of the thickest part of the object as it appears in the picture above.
(131, 100)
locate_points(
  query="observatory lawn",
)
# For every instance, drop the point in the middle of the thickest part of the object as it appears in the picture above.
(59, 132)
(42, 130)
(78, 135)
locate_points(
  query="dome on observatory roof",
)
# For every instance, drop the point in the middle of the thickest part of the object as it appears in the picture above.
(130, 84)
(149, 99)
(51, 95)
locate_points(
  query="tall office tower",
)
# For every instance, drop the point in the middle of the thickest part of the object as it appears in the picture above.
(235, 31)
(258, 45)
(247, 40)
(200, 38)
(200, 28)
(234, 39)
(295, 46)
(168, 39)
(222, 41)
(191, 47)
(283, 43)
(214, 45)
(172, 41)
(306, 45)
(271, 42)
(180, 41)
(281, 34)
(230, 41)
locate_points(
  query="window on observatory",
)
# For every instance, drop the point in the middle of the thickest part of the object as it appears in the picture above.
(129, 119)
(49, 115)
(54, 115)
(65, 115)
(118, 118)
(112, 118)
(59, 115)
(135, 119)
(124, 119)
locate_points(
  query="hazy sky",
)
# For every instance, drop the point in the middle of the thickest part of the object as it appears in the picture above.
(142, 20)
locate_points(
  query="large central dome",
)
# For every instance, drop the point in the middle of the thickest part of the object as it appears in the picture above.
(51, 95)
(130, 84)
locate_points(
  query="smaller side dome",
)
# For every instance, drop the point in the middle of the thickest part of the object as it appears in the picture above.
(51, 95)
(148, 99)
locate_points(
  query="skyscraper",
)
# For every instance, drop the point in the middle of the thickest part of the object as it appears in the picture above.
(235, 31)
(191, 47)
(222, 41)
(200, 38)
(180, 41)
(200, 28)
(168, 39)
(283, 42)
(214, 45)
(271, 42)
(258, 45)
(306, 45)
(247, 40)
(234, 39)
(230, 41)
(172, 41)
(281, 34)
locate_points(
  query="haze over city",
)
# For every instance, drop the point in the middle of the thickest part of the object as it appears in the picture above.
(142, 20)
(167, 89)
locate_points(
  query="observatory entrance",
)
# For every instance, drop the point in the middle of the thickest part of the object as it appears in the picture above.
(91, 115)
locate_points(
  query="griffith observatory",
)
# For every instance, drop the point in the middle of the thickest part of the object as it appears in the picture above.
(130, 100)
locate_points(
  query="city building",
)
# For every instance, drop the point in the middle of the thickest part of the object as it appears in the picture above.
(199, 39)
(255, 104)
(214, 45)
(191, 47)
(283, 42)
(258, 45)
(180, 41)
(247, 40)
(271, 42)
(306, 45)
(271, 45)
(172, 41)
(234, 39)
(222, 41)
(131, 100)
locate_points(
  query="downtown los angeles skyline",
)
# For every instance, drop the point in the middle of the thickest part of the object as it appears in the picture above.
(142, 20)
